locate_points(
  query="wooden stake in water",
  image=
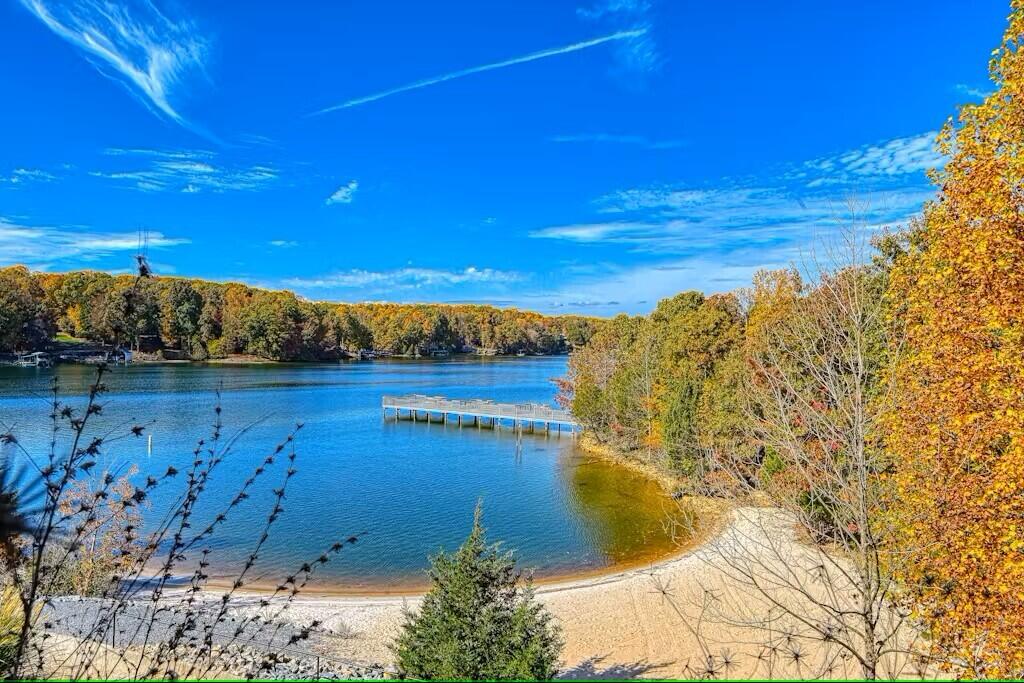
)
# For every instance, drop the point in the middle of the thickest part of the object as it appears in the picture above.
(149, 445)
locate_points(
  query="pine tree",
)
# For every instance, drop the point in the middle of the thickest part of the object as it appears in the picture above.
(479, 621)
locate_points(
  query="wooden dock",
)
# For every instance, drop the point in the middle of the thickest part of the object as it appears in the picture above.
(479, 413)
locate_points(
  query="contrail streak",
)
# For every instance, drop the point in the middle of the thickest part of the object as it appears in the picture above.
(533, 56)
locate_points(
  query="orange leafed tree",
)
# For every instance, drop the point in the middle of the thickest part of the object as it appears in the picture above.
(958, 430)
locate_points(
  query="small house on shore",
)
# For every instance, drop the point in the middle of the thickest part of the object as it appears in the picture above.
(38, 359)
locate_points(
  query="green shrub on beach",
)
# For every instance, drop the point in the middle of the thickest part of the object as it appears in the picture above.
(478, 622)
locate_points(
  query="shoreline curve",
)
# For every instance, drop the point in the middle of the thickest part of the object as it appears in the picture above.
(714, 518)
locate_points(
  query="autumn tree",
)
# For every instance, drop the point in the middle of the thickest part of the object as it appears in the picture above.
(585, 388)
(122, 310)
(211, 317)
(88, 308)
(722, 425)
(813, 400)
(270, 326)
(69, 299)
(355, 334)
(698, 335)
(635, 389)
(638, 382)
(180, 309)
(23, 319)
(958, 427)
(578, 331)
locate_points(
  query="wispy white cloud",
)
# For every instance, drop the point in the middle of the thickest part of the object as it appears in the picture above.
(40, 246)
(713, 238)
(258, 140)
(150, 52)
(344, 194)
(971, 91)
(899, 156)
(673, 221)
(587, 304)
(594, 232)
(613, 7)
(888, 176)
(638, 288)
(26, 175)
(461, 73)
(283, 244)
(188, 171)
(611, 138)
(634, 57)
(402, 278)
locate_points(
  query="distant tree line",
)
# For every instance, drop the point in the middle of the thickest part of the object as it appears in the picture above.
(209, 320)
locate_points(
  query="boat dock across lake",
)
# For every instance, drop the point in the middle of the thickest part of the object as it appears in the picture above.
(479, 413)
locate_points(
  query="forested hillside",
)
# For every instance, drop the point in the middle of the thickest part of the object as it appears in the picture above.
(208, 320)
(669, 386)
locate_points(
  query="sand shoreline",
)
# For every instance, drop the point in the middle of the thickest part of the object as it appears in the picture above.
(606, 619)
(710, 513)
(552, 586)
(564, 581)
(641, 622)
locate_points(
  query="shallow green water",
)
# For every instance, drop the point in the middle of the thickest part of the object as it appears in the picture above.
(410, 487)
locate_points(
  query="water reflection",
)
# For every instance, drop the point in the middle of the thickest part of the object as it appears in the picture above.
(626, 513)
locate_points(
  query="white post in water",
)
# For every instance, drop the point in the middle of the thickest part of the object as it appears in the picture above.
(149, 445)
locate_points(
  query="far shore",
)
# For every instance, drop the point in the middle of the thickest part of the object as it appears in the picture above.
(245, 359)
(158, 358)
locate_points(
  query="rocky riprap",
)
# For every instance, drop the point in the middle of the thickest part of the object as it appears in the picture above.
(261, 665)
(243, 653)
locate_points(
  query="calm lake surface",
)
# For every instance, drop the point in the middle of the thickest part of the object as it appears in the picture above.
(410, 487)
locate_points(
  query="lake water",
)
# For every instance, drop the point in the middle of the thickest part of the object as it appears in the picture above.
(410, 487)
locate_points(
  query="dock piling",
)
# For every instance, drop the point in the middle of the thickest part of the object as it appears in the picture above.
(520, 415)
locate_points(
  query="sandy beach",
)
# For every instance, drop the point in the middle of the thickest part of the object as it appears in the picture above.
(614, 625)
(696, 615)
(642, 622)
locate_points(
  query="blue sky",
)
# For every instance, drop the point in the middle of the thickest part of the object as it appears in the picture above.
(589, 156)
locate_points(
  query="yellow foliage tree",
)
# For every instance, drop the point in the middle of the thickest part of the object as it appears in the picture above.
(958, 428)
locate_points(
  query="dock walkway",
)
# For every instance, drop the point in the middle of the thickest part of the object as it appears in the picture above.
(479, 413)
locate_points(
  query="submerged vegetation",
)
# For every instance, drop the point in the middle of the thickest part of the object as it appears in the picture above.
(201, 320)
